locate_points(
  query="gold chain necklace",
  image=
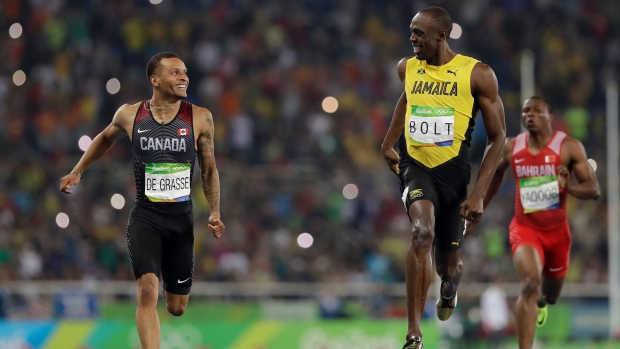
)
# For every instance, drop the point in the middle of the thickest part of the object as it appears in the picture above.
(166, 108)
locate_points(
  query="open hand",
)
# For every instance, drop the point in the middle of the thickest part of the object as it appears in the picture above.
(217, 226)
(68, 181)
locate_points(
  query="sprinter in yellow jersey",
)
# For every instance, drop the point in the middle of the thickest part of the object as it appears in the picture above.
(434, 117)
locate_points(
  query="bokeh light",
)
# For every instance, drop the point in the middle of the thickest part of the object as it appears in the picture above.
(113, 86)
(117, 201)
(457, 31)
(593, 164)
(84, 142)
(19, 78)
(62, 220)
(350, 191)
(15, 30)
(155, 2)
(305, 240)
(330, 104)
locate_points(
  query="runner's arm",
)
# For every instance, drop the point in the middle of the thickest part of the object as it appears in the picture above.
(486, 94)
(500, 172)
(206, 158)
(99, 146)
(587, 186)
(396, 126)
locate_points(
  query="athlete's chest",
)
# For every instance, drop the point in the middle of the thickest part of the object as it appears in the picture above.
(151, 136)
(527, 165)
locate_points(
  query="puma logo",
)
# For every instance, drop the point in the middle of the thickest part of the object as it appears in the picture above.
(452, 71)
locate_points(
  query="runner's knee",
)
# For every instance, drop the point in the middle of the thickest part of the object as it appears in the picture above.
(551, 299)
(175, 304)
(530, 287)
(176, 308)
(422, 236)
(147, 292)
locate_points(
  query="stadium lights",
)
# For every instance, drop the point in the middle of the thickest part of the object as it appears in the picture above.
(15, 30)
(62, 220)
(113, 86)
(305, 240)
(593, 164)
(117, 201)
(330, 104)
(457, 31)
(84, 142)
(19, 78)
(350, 191)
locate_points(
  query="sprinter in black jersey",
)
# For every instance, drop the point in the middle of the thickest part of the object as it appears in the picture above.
(166, 134)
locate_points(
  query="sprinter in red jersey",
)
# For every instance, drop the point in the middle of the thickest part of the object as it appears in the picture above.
(543, 162)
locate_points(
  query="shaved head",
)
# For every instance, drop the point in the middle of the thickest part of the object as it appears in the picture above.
(440, 17)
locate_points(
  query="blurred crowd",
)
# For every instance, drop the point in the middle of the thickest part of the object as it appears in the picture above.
(263, 67)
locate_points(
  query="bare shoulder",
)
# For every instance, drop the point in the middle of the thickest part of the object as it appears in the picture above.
(402, 67)
(482, 69)
(203, 119)
(484, 81)
(126, 113)
(483, 76)
(403, 61)
(573, 146)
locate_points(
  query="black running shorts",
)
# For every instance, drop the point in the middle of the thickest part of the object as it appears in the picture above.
(416, 184)
(162, 244)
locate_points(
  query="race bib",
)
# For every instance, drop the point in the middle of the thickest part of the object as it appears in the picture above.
(540, 193)
(167, 182)
(431, 126)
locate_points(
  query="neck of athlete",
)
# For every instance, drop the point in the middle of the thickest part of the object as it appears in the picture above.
(443, 55)
(539, 139)
(164, 102)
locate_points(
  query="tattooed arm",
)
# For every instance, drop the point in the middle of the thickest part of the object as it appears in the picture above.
(203, 123)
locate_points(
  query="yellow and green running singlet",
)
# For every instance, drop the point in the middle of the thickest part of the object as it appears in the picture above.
(440, 108)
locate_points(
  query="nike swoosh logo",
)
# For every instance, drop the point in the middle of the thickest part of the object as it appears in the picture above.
(519, 160)
(553, 270)
(179, 280)
(141, 131)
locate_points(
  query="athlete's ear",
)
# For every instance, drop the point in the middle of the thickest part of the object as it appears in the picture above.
(154, 81)
(442, 35)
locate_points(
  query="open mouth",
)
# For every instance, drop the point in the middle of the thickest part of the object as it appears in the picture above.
(416, 48)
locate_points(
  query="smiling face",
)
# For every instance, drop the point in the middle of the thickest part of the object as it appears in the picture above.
(170, 78)
(535, 115)
(425, 36)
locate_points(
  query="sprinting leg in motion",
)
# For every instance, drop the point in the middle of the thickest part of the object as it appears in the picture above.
(529, 267)
(147, 319)
(551, 289)
(449, 268)
(419, 267)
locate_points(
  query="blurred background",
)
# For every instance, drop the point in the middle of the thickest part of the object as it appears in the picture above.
(302, 93)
